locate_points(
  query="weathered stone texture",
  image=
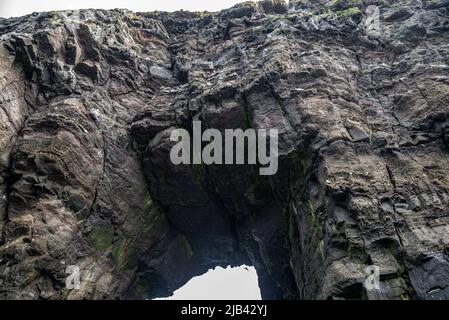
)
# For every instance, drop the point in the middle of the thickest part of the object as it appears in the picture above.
(87, 104)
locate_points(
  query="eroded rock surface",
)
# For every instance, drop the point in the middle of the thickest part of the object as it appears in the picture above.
(359, 91)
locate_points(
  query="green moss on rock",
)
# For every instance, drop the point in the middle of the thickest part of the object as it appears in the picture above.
(101, 237)
(321, 247)
(148, 202)
(340, 5)
(186, 245)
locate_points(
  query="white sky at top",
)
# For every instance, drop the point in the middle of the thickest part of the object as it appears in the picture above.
(15, 8)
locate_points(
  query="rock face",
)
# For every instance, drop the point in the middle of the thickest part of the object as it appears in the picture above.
(359, 91)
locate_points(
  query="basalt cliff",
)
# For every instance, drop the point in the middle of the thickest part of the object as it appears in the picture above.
(359, 91)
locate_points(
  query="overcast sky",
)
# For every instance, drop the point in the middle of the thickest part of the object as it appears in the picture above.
(231, 283)
(15, 8)
(221, 284)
